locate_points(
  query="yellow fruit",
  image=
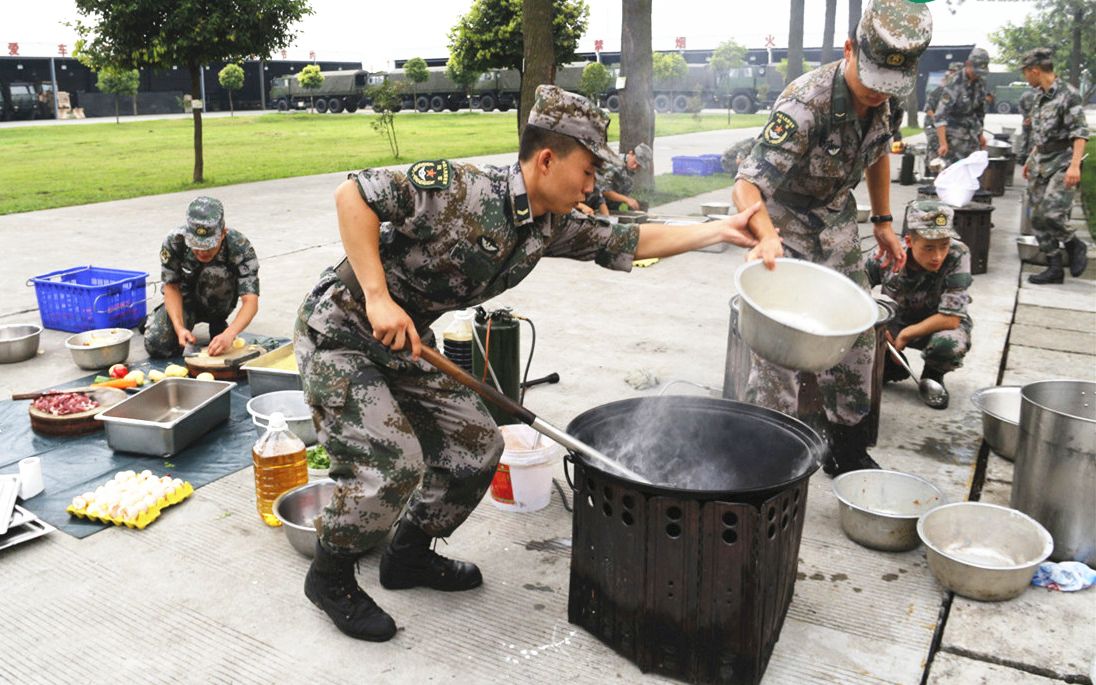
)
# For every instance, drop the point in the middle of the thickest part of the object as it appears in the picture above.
(137, 376)
(205, 376)
(238, 343)
(155, 375)
(176, 371)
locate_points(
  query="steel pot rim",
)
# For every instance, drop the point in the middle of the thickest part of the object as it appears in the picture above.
(1040, 530)
(977, 398)
(36, 330)
(1026, 397)
(886, 515)
(123, 335)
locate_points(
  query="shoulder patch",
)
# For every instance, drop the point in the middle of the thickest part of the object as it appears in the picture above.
(430, 175)
(165, 256)
(780, 127)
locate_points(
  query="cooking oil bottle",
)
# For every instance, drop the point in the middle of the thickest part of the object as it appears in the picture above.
(457, 339)
(280, 465)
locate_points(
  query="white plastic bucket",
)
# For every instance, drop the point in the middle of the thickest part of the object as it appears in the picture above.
(523, 481)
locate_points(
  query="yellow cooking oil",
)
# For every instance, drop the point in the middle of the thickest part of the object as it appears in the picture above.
(280, 465)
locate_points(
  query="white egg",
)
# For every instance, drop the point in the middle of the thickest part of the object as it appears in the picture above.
(146, 474)
(79, 503)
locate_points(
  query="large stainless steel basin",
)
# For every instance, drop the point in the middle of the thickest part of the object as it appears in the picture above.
(167, 417)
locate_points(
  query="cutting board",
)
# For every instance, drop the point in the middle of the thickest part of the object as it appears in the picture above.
(225, 366)
(80, 422)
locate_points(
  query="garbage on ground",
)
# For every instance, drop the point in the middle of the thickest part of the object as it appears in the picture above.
(1065, 576)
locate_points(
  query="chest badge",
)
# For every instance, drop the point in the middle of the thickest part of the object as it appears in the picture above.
(780, 127)
(430, 175)
(488, 245)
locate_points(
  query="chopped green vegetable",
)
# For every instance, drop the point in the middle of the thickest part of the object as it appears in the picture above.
(318, 458)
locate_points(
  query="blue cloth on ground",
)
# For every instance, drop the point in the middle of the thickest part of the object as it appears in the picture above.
(1067, 576)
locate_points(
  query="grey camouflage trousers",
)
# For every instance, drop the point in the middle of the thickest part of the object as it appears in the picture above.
(962, 142)
(398, 432)
(212, 299)
(845, 388)
(1050, 203)
(943, 350)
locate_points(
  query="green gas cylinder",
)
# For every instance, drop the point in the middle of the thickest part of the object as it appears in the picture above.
(498, 335)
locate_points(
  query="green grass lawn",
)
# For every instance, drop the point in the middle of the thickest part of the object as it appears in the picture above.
(59, 166)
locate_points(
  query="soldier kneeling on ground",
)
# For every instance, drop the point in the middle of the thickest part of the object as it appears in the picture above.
(616, 180)
(931, 296)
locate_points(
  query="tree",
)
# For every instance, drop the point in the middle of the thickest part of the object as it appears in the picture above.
(667, 66)
(596, 79)
(310, 78)
(490, 36)
(782, 69)
(539, 54)
(727, 56)
(386, 99)
(118, 82)
(231, 78)
(462, 78)
(827, 31)
(417, 72)
(1061, 24)
(185, 34)
(637, 111)
(795, 42)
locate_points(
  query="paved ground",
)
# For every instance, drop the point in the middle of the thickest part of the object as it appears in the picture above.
(210, 594)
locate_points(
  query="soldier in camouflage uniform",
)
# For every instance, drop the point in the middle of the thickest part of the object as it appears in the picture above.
(616, 180)
(736, 154)
(594, 203)
(828, 128)
(206, 268)
(931, 295)
(1027, 106)
(1053, 169)
(398, 431)
(932, 143)
(961, 112)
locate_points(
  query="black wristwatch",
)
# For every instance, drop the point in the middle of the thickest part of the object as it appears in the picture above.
(880, 218)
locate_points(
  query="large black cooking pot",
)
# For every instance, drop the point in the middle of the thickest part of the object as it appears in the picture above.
(691, 576)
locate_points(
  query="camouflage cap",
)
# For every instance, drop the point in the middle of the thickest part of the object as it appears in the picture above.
(205, 217)
(930, 219)
(1038, 57)
(979, 61)
(891, 36)
(955, 66)
(644, 155)
(572, 115)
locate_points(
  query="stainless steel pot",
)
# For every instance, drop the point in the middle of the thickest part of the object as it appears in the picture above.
(291, 404)
(801, 315)
(1000, 407)
(99, 349)
(1054, 480)
(298, 508)
(879, 509)
(18, 342)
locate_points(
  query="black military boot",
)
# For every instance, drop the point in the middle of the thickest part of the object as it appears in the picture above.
(1052, 274)
(939, 401)
(409, 562)
(848, 450)
(1078, 256)
(892, 370)
(331, 586)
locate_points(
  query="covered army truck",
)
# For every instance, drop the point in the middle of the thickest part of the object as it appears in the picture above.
(340, 91)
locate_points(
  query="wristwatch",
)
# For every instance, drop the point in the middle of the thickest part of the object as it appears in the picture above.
(880, 218)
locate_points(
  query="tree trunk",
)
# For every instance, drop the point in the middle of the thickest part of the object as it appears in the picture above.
(911, 109)
(196, 94)
(827, 31)
(1075, 57)
(795, 42)
(231, 109)
(854, 16)
(637, 110)
(539, 53)
(135, 104)
(116, 120)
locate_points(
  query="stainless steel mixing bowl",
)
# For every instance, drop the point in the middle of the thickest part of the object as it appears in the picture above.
(298, 508)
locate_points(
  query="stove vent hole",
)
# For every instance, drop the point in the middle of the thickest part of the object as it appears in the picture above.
(589, 501)
(673, 530)
(627, 501)
(608, 492)
(729, 536)
(673, 513)
(784, 522)
(771, 514)
(730, 518)
(772, 531)
(608, 509)
(627, 518)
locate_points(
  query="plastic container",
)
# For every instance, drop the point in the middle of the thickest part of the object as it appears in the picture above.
(713, 163)
(456, 339)
(523, 481)
(280, 465)
(87, 297)
(684, 165)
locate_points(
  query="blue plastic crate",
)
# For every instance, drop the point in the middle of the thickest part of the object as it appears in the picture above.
(690, 166)
(84, 298)
(714, 163)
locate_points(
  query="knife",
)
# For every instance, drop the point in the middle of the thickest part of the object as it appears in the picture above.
(191, 350)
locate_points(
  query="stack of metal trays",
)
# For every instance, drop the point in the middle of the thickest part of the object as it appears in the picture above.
(16, 523)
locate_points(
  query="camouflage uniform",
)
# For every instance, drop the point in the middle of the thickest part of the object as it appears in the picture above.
(962, 109)
(736, 154)
(1057, 119)
(595, 199)
(210, 291)
(1027, 106)
(932, 143)
(616, 178)
(454, 236)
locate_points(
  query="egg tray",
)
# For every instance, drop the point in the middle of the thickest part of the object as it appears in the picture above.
(144, 518)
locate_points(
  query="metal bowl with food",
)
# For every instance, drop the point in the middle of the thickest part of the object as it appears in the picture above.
(18, 342)
(99, 349)
(291, 405)
(879, 509)
(983, 551)
(298, 508)
(1000, 407)
(801, 315)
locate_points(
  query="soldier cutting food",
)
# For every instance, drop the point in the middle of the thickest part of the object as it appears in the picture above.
(398, 431)
(828, 128)
(1053, 169)
(617, 178)
(206, 269)
(961, 111)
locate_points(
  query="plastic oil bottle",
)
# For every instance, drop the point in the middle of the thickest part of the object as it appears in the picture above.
(457, 339)
(280, 465)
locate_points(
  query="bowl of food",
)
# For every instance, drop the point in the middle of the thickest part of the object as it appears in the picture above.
(1000, 407)
(319, 462)
(298, 508)
(19, 342)
(801, 315)
(99, 349)
(879, 509)
(983, 551)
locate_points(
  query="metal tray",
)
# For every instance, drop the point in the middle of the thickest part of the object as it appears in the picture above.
(263, 378)
(25, 526)
(163, 419)
(9, 490)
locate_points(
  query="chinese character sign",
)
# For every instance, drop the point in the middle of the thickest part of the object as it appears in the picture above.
(13, 49)
(312, 55)
(679, 42)
(62, 49)
(599, 45)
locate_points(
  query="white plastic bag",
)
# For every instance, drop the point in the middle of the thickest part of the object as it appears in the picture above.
(957, 183)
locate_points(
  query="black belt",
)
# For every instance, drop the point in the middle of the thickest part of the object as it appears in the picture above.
(795, 200)
(1052, 146)
(345, 272)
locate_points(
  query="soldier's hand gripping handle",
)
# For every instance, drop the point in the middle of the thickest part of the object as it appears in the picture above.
(392, 326)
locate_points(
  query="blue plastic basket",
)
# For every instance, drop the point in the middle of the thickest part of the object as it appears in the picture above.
(713, 163)
(84, 298)
(690, 166)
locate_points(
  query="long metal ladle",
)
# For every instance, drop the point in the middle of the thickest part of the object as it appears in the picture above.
(931, 392)
(446, 366)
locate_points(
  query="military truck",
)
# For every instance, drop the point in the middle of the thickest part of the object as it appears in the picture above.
(437, 92)
(25, 100)
(341, 91)
(1006, 99)
(742, 89)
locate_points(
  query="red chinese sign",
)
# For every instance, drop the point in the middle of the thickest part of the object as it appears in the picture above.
(599, 45)
(770, 41)
(679, 42)
(62, 49)
(312, 55)
(13, 49)
(284, 53)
